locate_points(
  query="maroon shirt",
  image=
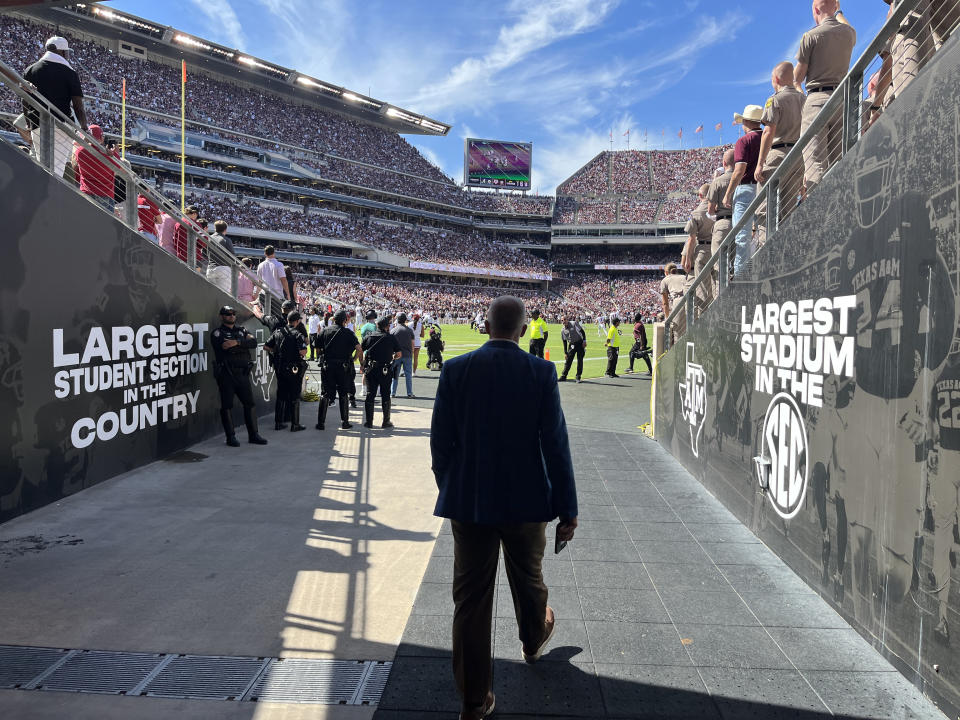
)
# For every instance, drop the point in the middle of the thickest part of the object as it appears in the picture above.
(747, 150)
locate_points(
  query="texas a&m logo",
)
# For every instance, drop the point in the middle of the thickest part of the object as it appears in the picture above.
(693, 399)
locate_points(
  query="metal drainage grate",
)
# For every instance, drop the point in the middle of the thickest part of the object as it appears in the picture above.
(297, 680)
(202, 677)
(94, 671)
(206, 677)
(374, 683)
(20, 665)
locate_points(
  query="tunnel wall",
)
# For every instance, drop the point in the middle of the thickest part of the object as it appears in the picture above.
(69, 275)
(858, 444)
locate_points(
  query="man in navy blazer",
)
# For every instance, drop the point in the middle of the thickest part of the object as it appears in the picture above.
(501, 458)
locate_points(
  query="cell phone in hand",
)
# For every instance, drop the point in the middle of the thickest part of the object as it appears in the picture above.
(558, 545)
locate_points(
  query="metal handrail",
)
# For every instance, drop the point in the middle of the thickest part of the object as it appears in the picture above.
(847, 93)
(52, 119)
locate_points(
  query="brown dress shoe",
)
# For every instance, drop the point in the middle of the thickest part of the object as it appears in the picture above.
(485, 710)
(549, 625)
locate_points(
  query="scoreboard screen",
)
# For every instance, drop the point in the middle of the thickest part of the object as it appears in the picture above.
(497, 164)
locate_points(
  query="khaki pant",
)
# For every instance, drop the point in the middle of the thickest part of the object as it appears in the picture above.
(701, 256)
(823, 150)
(789, 189)
(720, 230)
(476, 554)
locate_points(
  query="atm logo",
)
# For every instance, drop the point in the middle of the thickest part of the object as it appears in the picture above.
(693, 399)
(784, 446)
(262, 375)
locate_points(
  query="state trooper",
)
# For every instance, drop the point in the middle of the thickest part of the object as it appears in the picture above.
(231, 349)
(380, 349)
(696, 253)
(822, 62)
(340, 348)
(781, 120)
(289, 347)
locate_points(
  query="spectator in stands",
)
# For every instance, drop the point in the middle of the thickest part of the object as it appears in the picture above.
(272, 275)
(166, 232)
(246, 289)
(181, 233)
(904, 55)
(93, 172)
(59, 83)
(221, 257)
(404, 337)
(822, 63)
(743, 184)
(696, 253)
(148, 217)
(781, 121)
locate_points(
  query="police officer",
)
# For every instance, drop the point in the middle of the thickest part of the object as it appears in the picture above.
(340, 348)
(696, 254)
(613, 347)
(538, 334)
(231, 348)
(822, 62)
(289, 346)
(781, 121)
(380, 349)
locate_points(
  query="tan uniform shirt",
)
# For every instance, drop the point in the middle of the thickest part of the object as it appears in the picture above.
(826, 51)
(674, 286)
(699, 224)
(783, 109)
(718, 189)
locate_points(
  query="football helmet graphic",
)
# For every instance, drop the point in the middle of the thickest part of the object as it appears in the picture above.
(874, 174)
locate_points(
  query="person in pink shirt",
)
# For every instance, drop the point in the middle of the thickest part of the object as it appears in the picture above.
(166, 230)
(246, 290)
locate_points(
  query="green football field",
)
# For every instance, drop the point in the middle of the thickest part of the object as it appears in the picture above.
(461, 339)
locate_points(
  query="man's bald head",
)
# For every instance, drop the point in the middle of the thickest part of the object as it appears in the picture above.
(728, 158)
(505, 318)
(783, 75)
(704, 189)
(823, 9)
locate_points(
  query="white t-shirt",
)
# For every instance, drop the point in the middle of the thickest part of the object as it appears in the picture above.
(270, 271)
(313, 324)
(417, 329)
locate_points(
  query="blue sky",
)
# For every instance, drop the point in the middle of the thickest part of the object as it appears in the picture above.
(559, 73)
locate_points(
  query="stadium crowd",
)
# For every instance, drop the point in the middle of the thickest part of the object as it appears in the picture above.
(630, 172)
(638, 211)
(337, 139)
(616, 255)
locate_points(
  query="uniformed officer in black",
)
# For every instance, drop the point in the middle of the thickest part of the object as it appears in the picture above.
(380, 349)
(274, 321)
(231, 348)
(289, 346)
(340, 348)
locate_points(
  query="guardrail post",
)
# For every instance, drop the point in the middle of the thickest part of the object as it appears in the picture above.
(45, 151)
(130, 204)
(773, 207)
(723, 272)
(666, 334)
(234, 280)
(688, 309)
(191, 248)
(852, 94)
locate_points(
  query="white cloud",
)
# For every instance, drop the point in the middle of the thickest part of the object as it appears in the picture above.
(538, 26)
(569, 151)
(303, 46)
(222, 15)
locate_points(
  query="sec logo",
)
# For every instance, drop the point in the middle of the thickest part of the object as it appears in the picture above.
(784, 442)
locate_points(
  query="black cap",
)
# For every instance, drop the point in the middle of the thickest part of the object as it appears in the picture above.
(227, 310)
(372, 315)
(288, 305)
(535, 314)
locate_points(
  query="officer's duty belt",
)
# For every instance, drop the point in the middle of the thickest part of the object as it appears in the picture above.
(822, 88)
(724, 217)
(777, 146)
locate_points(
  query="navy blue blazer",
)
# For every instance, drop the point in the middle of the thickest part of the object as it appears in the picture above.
(499, 439)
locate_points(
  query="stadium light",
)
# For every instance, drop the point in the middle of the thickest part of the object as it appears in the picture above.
(254, 63)
(432, 125)
(347, 95)
(397, 113)
(310, 82)
(112, 16)
(200, 45)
